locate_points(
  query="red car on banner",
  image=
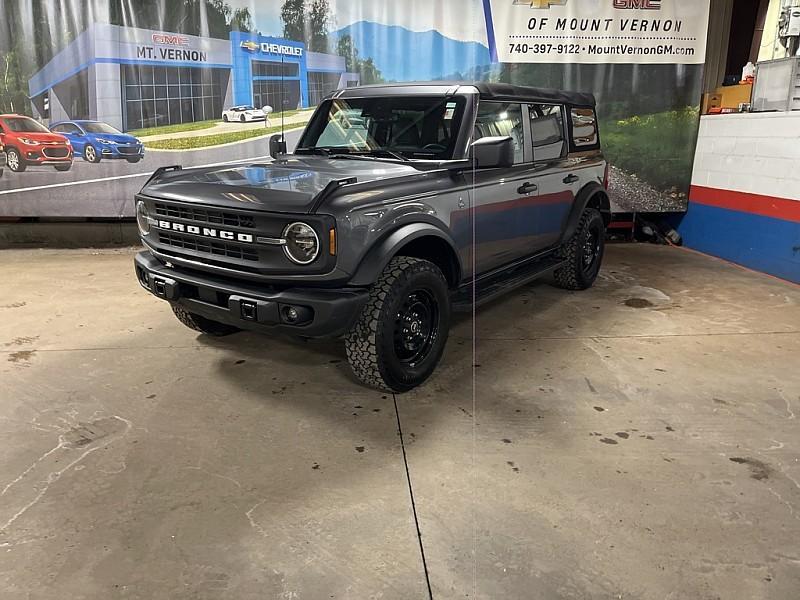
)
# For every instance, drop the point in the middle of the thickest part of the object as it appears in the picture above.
(28, 142)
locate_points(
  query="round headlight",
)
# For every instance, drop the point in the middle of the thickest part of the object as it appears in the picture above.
(302, 243)
(142, 218)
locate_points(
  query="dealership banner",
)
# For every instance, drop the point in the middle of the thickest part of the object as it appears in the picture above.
(598, 31)
(95, 95)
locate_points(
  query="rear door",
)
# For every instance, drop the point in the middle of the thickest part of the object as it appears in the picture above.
(553, 175)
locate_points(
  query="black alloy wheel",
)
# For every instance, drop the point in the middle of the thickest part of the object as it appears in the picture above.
(416, 327)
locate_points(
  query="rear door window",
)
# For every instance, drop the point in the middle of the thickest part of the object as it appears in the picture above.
(500, 119)
(547, 131)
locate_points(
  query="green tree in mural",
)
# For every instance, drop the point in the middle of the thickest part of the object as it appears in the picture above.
(366, 69)
(293, 18)
(346, 49)
(319, 21)
(242, 20)
(307, 22)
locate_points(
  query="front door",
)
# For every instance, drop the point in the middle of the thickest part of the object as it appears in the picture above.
(501, 197)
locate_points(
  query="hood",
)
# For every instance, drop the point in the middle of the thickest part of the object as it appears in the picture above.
(290, 186)
(41, 136)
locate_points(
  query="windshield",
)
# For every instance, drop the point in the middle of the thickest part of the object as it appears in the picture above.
(100, 128)
(403, 127)
(25, 124)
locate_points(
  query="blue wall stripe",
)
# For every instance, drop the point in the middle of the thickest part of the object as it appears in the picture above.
(761, 243)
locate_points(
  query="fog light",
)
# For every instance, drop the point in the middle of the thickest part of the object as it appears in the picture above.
(296, 315)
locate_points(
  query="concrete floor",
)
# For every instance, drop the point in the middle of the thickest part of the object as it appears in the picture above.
(638, 440)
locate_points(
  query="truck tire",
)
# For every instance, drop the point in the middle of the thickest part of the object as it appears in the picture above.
(201, 324)
(583, 252)
(401, 333)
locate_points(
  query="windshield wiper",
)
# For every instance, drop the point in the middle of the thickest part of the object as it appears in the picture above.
(385, 152)
(321, 150)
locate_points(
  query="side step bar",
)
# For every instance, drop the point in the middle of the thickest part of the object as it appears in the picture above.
(501, 283)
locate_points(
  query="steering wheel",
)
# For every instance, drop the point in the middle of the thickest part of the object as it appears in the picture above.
(434, 148)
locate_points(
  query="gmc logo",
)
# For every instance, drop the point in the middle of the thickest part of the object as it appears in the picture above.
(637, 4)
(207, 232)
(165, 39)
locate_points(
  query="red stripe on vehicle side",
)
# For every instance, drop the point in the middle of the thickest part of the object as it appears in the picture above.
(755, 204)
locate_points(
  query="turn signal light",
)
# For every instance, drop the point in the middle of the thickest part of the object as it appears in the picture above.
(332, 241)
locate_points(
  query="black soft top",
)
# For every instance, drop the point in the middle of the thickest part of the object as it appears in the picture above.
(489, 91)
(506, 91)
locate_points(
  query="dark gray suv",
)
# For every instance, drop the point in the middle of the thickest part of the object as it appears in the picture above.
(400, 203)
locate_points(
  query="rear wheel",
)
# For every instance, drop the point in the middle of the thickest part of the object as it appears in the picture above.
(401, 333)
(242, 119)
(15, 161)
(583, 253)
(201, 324)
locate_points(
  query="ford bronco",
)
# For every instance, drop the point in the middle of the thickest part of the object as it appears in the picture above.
(399, 204)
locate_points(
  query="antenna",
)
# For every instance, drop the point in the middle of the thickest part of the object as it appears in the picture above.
(283, 105)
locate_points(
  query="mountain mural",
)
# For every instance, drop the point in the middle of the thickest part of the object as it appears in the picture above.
(405, 55)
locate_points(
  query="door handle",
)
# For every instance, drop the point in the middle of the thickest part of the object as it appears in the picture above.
(571, 178)
(527, 188)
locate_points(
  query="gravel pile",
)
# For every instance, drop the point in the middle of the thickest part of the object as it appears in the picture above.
(630, 194)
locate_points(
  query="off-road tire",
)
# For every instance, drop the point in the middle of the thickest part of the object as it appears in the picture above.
(370, 342)
(201, 324)
(574, 275)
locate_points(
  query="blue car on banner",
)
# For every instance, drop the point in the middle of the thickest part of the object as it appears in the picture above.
(94, 140)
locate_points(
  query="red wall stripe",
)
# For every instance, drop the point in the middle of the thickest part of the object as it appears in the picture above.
(766, 206)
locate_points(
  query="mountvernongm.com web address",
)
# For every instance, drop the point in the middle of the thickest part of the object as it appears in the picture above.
(628, 50)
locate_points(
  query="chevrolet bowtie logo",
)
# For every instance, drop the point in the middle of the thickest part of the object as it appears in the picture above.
(541, 3)
(250, 46)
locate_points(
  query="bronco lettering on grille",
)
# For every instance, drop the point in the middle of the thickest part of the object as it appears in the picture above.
(206, 232)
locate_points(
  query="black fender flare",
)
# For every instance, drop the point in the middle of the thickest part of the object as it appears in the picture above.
(377, 257)
(587, 193)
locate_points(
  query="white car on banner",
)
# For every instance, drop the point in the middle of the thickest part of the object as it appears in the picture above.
(244, 114)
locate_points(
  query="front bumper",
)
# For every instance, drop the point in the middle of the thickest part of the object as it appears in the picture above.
(36, 155)
(107, 151)
(326, 312)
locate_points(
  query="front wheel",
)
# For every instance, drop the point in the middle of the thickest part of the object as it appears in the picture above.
(401, 333)
(242, 119)
(90, 154)
(14, 161)
(583, 253)
(224, 118)
(63, 167)
(133, 159)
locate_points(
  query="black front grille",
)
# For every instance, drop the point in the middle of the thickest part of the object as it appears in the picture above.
(61, 152)
(128, 149)
(202, 215)
(213, 247)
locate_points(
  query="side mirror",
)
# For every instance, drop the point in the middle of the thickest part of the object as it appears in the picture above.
(493, 152)
(277, 145)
